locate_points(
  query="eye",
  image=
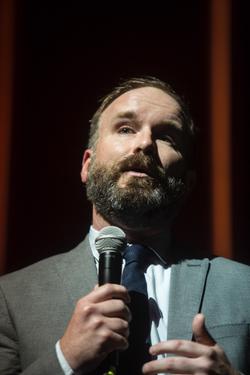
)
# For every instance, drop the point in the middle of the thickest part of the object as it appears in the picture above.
(167, 138)
(125, 130)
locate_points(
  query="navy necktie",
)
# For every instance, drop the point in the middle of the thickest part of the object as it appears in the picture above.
(137, 258)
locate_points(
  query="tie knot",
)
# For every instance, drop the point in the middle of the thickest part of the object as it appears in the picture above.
(138, 254)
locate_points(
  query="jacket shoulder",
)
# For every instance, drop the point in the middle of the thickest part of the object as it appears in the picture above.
(229, 266)
(44, 269)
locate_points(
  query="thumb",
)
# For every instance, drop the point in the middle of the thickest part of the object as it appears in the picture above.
(200, 332)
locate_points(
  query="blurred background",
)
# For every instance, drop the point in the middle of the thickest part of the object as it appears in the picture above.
(58, 58)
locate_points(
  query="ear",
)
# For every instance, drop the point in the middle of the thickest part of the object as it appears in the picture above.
(190, 179)
(85, 165)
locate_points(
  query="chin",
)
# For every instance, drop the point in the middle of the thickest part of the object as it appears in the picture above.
(131, 177)
(136, 222)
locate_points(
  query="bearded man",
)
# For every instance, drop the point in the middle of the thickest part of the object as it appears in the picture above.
(138, 169)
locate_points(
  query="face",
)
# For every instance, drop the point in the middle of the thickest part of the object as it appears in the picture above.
(145, 119)
(140, 151)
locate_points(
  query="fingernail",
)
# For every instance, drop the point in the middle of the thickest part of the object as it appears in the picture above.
(151, 351)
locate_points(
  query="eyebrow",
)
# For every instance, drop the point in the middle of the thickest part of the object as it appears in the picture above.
(132, 116)
(127, 114)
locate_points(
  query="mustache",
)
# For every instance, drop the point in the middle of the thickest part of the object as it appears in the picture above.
(142, 163)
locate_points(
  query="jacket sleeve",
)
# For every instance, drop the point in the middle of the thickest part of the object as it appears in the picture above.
(10, 363)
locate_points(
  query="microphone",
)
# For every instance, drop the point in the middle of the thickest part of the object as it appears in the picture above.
(110, 242)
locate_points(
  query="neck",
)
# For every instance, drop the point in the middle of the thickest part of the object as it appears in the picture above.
(156, 237)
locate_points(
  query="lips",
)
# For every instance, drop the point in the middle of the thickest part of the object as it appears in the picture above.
(137, 170)
(137, 174)
(141, 166)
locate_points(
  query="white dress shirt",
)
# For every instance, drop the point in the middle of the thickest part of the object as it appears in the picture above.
(158, 285)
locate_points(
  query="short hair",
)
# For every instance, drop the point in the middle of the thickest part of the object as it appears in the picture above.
(139, 82)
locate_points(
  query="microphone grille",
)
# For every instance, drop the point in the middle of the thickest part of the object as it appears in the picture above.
(110, 238)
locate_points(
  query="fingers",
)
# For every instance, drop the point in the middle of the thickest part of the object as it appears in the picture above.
(119, 342)
(200, 331)
(179, 347)
(172, 365)
(188, 348)
(99, 302)
(202, 356)
(214, 361)
(119, 326)
(115, 308)
(183, 365)
(107, 292)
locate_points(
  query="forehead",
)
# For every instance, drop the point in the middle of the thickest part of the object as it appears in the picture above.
(145, 103)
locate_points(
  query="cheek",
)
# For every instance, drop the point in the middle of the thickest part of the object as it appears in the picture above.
(103, 149)
(110, 150)
(173, 161)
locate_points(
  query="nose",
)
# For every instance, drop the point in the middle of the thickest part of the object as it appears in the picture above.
(144, 141)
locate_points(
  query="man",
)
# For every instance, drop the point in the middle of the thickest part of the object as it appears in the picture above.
(137, 170)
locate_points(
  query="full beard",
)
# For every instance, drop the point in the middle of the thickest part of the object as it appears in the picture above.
(141, 201)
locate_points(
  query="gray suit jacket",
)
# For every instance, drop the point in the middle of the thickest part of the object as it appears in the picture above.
(36, 304)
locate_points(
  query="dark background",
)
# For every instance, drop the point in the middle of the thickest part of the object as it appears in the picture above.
(68, 56)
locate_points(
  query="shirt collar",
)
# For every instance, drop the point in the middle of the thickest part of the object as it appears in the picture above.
(93, 233)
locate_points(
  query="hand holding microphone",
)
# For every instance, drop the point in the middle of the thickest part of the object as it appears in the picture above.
(99, 323)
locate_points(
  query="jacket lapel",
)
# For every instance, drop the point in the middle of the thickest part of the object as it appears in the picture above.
(187, 286)
(77, 271)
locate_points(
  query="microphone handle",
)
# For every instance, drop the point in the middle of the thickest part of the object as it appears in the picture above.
(110, 267)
